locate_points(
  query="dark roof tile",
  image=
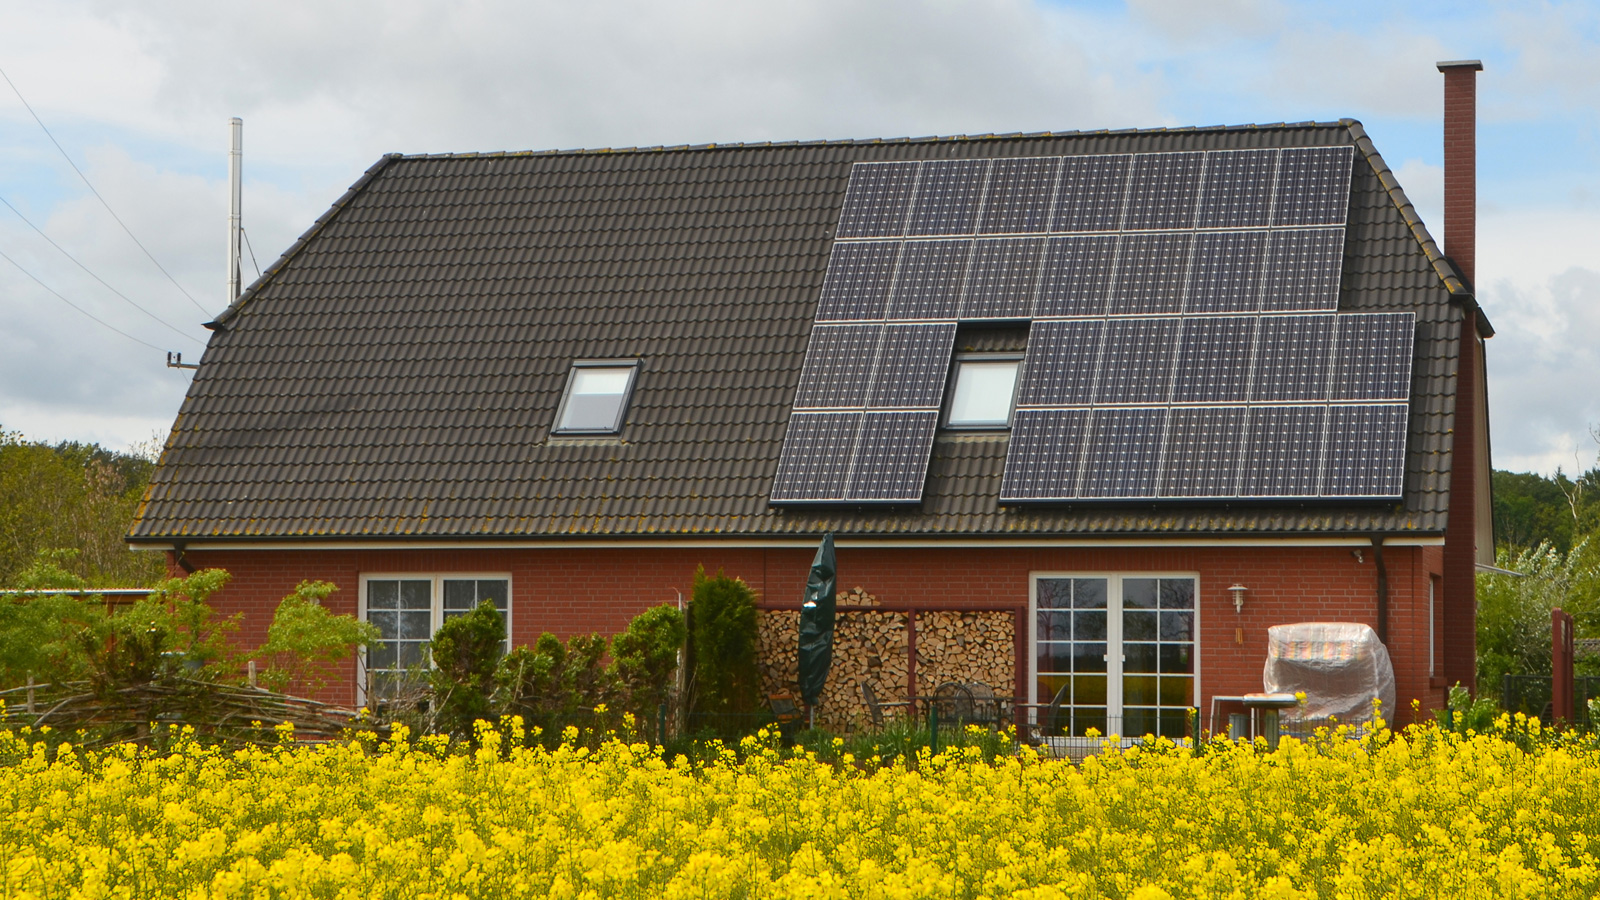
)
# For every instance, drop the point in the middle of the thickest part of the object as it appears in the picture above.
(397, 371)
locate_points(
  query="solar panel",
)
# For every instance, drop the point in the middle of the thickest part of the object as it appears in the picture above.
(913, 366)
(930, 278)
(1313, 186)
(1004, 278)
(1137, 361)
(876, 200)
(1091, 193)
(1194, 256)
(1042, 461)
(1203, 446)
(1366, 451)
(1238, 189)
(1372, 359)
(1226, 274)
(1214, 360)
(948, 195)
(1283, 451)
(1152, 271)
(857, 284)
(1019, 197)
(892, 457)
(1062, 361)
(815, 462)
(837, 367)
(1077, 276)
(1292, 355)
(1163, 190)
(1120, 458)
(1301, 270)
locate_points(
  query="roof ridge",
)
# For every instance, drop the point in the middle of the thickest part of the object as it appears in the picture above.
(283, 258)
(857, 142)
(1442, 264)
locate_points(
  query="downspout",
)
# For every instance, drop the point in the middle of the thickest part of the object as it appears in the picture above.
(1383, 589)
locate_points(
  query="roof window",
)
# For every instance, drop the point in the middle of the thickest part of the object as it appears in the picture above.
(984, 385)
(597, 397)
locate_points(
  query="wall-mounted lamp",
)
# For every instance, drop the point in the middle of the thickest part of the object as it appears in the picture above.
(1238, 597)
(1358, 555)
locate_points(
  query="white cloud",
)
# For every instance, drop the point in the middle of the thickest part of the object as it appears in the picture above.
(1544, 362)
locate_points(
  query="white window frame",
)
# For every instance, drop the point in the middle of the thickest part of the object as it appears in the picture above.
(1114, 660)
(632, 365)
(955, 377)
(436, 608)
(1433, 581)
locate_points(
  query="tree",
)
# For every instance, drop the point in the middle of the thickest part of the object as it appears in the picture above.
(1514, 612)
(76, 496)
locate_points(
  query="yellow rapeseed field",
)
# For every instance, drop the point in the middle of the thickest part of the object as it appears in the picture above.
(1419, 814)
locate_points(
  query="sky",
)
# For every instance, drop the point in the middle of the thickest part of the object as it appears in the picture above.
(139, 96)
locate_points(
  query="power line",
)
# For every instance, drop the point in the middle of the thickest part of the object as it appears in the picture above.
(74, 305)
(97, 193)
(91, 274)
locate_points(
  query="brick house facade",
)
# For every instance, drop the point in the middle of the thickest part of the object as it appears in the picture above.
(565, 380)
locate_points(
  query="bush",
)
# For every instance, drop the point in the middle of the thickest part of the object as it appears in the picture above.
(723, 647)
(645, 657)
(552, 684)
(305, 638)
(172, 632)
(466, 651)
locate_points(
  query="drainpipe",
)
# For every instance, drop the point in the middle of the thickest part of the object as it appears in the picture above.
(1383, 589)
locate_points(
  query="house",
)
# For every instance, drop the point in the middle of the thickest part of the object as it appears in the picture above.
(1139, 394)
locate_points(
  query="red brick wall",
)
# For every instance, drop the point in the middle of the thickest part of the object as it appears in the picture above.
(575, 591)
(1461, 532)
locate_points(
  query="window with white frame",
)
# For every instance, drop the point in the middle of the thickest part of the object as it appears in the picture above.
(1115, 653)
(408, 609)
(596, 398)
(982, 390)
(1433, 583)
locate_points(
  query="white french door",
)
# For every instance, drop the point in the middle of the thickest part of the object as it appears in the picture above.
(1115, 652)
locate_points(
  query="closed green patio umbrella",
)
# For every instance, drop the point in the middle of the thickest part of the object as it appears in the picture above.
(816, 624)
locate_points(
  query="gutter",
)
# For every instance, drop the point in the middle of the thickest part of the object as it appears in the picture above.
(931, 541)
(1383, 589)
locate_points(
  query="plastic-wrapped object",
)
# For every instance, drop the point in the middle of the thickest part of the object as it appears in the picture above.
(1340, 667)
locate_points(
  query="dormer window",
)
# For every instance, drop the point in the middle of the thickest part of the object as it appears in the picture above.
(981, 396)
(596, 399)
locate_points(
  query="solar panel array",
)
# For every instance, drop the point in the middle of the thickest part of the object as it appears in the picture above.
(1176, 350)
(1212, 407)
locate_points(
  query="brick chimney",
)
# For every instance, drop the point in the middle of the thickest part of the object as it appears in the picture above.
(1461, 164)
(1469, 535)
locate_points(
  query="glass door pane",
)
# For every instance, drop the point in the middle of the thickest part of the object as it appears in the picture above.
(1071, 634)
(1157, 618)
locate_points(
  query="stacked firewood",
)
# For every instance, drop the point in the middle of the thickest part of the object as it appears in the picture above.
(855, 597)
(966, 647)
(870, 646)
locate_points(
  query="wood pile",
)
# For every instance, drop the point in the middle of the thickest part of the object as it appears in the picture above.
(966, 647)
(855, 597)
(870, 647)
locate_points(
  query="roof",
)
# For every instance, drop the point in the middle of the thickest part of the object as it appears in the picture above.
(396, 373)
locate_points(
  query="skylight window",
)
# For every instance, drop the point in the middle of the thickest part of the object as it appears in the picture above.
(984, 386)
(596, 398)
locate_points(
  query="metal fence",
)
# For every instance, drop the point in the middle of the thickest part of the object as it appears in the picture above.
(1530, 695)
